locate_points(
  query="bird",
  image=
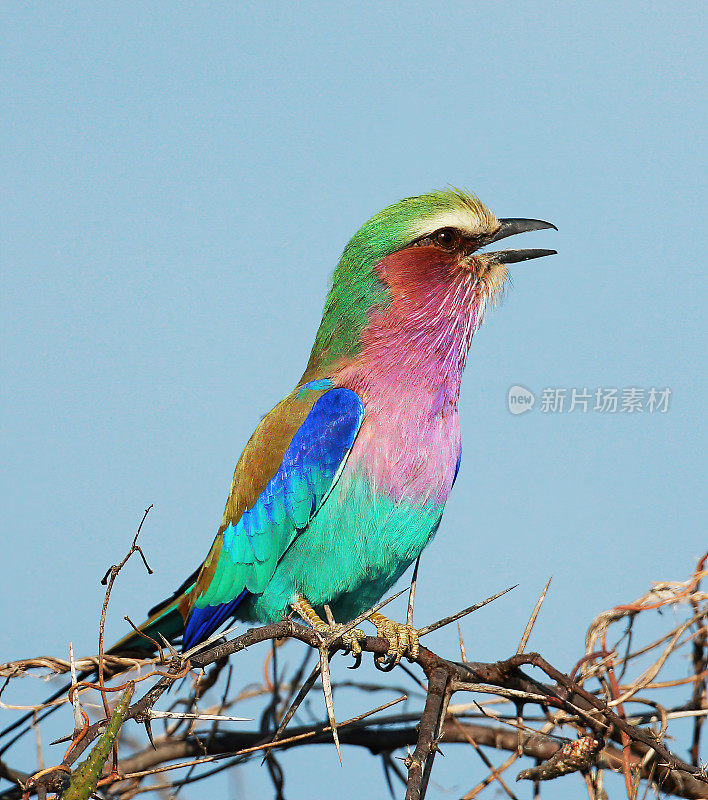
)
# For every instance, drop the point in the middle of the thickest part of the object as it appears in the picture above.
(344, 482)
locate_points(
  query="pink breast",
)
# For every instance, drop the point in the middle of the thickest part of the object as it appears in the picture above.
(408, 449)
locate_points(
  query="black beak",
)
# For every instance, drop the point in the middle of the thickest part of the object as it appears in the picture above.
(510, 227)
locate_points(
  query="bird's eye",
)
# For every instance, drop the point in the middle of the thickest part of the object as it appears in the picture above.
(446, 238)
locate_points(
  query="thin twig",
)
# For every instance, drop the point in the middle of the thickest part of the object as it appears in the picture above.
(329, 702)
(495, 774)
(532, 618)
(465, 611)
(301, 695)
(463, 652)
(411, 595)
(75, 702)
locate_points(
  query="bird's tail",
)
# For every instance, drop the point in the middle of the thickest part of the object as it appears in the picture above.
(165, 620)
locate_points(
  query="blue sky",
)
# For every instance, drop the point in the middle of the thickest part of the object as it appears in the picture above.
(179, 182)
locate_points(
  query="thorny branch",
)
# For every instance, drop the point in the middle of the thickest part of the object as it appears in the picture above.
(580, 721)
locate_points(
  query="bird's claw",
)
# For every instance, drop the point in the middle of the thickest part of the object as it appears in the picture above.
(352, 643)
(351, 640)
(402, 641)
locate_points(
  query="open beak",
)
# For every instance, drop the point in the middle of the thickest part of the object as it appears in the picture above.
(510, 227)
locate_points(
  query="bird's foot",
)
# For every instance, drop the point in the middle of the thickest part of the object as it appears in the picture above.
(402, 641)
(351, 640)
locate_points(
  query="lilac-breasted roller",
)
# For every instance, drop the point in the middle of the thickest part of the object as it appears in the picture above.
(344, 482)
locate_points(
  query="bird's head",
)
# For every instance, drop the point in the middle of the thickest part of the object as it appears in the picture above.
(415, 249)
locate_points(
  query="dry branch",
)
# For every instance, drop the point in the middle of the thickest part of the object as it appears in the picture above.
(581, 724)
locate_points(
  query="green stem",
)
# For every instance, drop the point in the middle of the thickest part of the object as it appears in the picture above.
(85, 777)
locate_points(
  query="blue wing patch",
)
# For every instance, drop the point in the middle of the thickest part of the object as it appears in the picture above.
(253, 546)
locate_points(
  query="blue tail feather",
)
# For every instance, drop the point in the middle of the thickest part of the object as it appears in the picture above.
(202, 622)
